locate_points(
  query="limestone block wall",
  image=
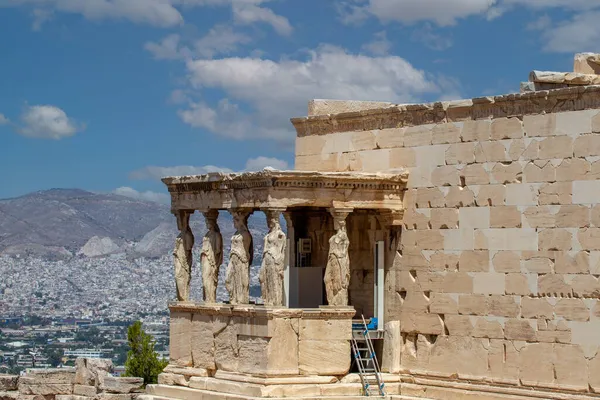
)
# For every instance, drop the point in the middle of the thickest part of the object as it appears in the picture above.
(496, 275)
(260, 341)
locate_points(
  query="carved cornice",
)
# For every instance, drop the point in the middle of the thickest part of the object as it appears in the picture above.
(518, 104)
(280, 190)
(285, 180)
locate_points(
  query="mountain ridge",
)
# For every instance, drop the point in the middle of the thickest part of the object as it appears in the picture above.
(62, 223)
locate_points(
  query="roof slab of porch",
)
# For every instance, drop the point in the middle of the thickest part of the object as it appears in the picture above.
(273, 189)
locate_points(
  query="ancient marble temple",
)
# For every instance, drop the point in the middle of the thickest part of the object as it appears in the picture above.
(467, 231)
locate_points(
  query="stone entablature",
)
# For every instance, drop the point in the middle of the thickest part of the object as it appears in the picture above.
(270, 189)
(261, 341)
(480, 108)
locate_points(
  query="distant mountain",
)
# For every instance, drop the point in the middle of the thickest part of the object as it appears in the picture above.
(62, 223)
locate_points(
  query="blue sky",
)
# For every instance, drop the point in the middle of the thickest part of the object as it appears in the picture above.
(109, 95)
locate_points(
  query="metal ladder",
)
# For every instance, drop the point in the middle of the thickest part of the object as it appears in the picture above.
(368, 367)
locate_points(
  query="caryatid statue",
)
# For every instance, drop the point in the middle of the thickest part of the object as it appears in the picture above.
(273, 262)
(182, 256)
(337, 272)
(237, 278)
(211, 257)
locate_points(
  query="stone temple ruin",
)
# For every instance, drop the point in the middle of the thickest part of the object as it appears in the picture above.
(467, 232)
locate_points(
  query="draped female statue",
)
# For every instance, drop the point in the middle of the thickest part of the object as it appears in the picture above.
(237, 279)
(337, 272)
(273, 262)
(182, 256)
(211, 256)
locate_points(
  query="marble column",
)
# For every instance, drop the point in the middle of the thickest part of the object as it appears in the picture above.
(237, 279)
(273, 261)
(211, 257)
(182, 255)
(337, 272)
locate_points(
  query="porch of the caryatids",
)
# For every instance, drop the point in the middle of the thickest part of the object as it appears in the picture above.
(211, 256)
(182, 255)
(237, 279)
(273, 262)
(337, 271)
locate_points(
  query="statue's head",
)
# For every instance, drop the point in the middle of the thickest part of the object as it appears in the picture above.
(211, 220)
(239, 220)
(272, 219)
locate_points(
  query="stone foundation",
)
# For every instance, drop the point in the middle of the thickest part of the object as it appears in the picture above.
(252, 340)
(91, 379)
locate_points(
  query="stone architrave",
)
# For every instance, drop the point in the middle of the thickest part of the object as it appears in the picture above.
(211, 256)
(182, 256)
(273, 261)
(337, 272)
(237, 279)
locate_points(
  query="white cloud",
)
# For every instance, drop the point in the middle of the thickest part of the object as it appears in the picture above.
(445, 12)
(48, 122)
(156, 197)
(430, 38)
(154, 12)
(259, 163)
(168, 48)
(221, 39)
(248, 12)
(580, 34)
(3, 120)
(161, 13)
(380, 46)
(261, 95)
(156, 173)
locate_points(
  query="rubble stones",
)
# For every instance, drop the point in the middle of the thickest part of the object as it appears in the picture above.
(8, 382)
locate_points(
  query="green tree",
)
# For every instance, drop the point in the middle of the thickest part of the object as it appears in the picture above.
(142, 361)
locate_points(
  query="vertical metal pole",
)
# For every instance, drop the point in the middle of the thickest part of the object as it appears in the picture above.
(380, 284)
(286, 275)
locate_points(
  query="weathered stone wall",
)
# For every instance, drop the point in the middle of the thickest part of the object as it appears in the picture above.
(496, 275)
(91, 379)
(251, 340)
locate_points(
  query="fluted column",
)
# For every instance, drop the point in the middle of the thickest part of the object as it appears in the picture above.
(273, 261)
(211, 257)
(237, 280)
(337, 272)
(182, 255)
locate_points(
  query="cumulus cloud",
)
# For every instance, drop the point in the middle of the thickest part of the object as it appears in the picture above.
(47, 122)
(168, 48)
(155, 173)
(259, 163)
(161, 13)
(3, 120)
(252, 164)
(444, 12)
(221, 39)
(156, 197)
(579, 34)
(248, 12)
(261, 94)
